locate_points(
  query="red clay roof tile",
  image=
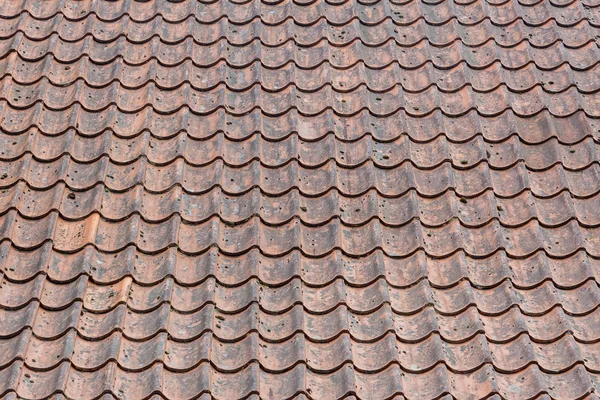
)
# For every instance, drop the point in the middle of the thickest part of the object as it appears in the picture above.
(299, 199)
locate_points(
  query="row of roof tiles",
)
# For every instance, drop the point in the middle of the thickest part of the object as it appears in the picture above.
(400, 241)
(236, 153)
(391, 382)
(319, 357)
(311, 211)
(307, 35)
(409, 56)
(533, 129)
(532, 12)
(189, 270)
(115, 97)
(17, 298)
(48, 72)
(388, 182)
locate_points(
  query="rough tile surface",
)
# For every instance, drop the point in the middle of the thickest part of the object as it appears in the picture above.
(300, 199)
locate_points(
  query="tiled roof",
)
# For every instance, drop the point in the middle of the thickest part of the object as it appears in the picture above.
(300, 199)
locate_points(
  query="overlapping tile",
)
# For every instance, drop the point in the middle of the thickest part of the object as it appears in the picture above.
(294, 199)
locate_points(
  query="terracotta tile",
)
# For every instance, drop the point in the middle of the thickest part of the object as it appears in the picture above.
(313, 200)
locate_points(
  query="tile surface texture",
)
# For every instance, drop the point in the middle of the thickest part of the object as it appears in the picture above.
(378, 199)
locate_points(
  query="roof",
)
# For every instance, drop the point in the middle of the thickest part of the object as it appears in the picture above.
(384, 199)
